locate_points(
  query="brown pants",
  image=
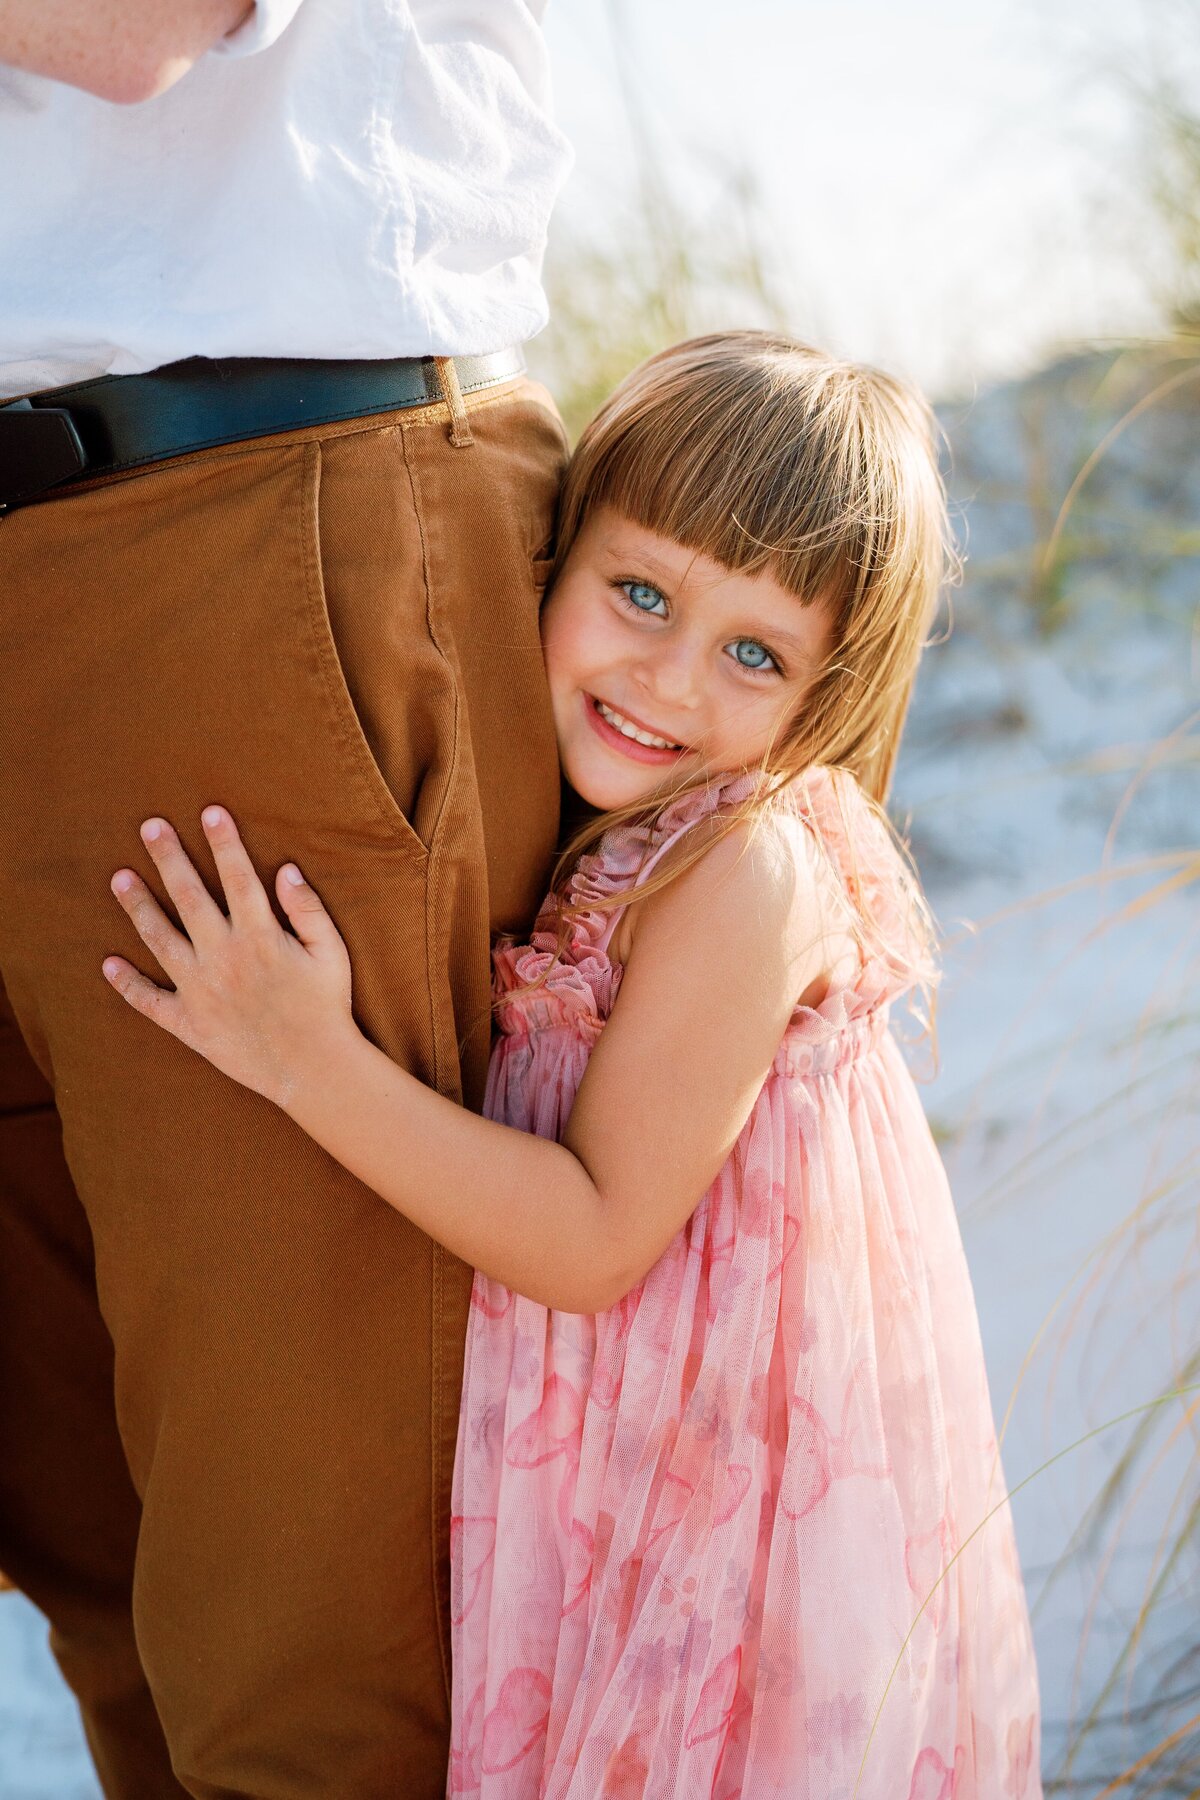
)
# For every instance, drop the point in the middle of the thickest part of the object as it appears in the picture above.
(229, 1374)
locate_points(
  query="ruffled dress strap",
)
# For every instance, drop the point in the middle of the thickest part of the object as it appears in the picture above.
(892, 922)
(881, 894)
(628, 855)
(550, 982)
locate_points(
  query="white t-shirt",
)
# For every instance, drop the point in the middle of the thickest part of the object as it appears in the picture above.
(338, 178)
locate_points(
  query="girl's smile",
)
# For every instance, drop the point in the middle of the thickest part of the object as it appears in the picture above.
(630, 736)
(661, 659)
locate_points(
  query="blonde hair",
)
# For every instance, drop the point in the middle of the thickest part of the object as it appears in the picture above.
(766, 454)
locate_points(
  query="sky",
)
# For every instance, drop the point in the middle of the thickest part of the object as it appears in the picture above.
(949, 189)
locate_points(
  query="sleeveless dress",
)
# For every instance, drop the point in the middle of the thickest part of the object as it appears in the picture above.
(727, 1539)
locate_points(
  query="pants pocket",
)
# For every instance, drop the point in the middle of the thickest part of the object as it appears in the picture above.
(387, 694)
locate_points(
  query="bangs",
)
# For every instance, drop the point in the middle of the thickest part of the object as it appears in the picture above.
(779, 459)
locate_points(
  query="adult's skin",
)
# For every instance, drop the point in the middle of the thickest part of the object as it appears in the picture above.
(119, 50)
(229, 1375)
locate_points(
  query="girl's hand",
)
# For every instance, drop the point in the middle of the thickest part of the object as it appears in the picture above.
(261, 1005)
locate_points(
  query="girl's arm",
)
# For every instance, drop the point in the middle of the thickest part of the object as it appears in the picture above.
(719, 958)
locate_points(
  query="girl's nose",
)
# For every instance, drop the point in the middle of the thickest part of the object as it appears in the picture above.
(672, 675)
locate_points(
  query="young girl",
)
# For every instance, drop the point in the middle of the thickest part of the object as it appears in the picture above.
(729, 1516)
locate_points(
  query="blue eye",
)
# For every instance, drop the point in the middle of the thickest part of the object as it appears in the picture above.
(643, 598)
(748, 653)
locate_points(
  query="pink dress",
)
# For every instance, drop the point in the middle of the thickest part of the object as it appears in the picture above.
(697, 1538)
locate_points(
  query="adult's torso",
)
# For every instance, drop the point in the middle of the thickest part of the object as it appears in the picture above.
(373, 181)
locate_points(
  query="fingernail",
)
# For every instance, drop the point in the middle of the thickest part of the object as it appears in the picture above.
(211, 816)
(111, 968)
(150, 830)
(122, 882)
(291, 873)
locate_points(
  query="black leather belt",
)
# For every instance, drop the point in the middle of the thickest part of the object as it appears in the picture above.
(65, 435)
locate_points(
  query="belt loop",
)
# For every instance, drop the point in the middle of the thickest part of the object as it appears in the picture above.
(460, 425)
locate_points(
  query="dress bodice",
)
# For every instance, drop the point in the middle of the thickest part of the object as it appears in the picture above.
(540, 987)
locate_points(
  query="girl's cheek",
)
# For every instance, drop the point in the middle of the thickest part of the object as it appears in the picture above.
(574, 637)
(552, 652)
(552, 628)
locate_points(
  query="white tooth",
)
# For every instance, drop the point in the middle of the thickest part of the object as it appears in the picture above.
(632, 731)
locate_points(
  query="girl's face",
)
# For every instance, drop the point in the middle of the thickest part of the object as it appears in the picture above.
(664, 663)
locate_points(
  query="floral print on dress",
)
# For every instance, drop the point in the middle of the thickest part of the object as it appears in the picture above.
(705, 1545)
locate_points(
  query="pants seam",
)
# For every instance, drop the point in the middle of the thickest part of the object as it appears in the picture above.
(433, 963)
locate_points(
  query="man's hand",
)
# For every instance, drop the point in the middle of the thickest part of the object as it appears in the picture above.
(263, 1006)
(122, 50)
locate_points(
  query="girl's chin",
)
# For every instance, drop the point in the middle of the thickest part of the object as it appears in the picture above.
(603, 797)
(607, 790)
